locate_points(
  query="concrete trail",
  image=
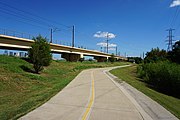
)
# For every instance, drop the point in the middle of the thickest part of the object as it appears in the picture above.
(92, 95)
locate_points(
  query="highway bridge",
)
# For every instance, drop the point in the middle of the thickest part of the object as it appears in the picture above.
(67, 52)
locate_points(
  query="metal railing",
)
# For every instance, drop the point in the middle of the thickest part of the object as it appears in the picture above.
(15, 34)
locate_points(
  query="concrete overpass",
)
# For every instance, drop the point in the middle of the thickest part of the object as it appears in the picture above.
(68, 53)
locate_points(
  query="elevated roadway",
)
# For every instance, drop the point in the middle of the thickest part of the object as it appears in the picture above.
(68, 52)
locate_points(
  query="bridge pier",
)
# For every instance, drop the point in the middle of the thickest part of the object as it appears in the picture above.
(101, 59)
(71, 57)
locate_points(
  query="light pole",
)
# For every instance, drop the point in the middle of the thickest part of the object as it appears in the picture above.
(116, 49)
(52, 31)
(73, 34)
(107, 41)
(51, 35)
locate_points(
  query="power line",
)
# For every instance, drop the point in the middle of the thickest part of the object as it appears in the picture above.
(26, 22)
(34, 15)
(29, 19)
(174, 18)
(22, 17)
(178, 26)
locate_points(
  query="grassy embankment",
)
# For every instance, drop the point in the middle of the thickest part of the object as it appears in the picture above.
(129, 75)
(21, 91)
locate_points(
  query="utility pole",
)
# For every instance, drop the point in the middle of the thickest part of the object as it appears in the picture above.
(119, 53)
(104, 49)
(101, 49)
(51, 35)
(73, 34)
(116, 51)
(170, 39)
(52, 31)
(107, 41)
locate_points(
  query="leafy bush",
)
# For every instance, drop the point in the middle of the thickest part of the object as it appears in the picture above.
(163, 76)
(81, 59)
(112, 59)
(174, 55)
(137, 60)
(40, 53)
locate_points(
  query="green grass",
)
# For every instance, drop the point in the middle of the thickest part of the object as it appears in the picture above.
(129, 75)
(21, 92)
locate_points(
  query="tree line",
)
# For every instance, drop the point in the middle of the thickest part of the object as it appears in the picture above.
(161, 70)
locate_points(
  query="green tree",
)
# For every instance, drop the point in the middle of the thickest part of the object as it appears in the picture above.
(40, 53)
(112, 59)
(81, 59)
(155, 55)
(175, 53)
(137, 60)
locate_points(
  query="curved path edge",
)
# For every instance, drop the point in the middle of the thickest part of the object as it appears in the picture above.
(95, 94)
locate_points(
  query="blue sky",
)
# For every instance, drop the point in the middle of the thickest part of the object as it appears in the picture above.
(137, 26)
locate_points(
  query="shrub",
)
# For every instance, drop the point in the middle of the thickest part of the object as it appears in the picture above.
(163, 76)
(81, 59)
(112, 59)
(174, 55)
(40, 53)
(140, 71)
(137, 60)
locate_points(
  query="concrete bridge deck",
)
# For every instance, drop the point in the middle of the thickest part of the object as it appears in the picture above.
(68, 52)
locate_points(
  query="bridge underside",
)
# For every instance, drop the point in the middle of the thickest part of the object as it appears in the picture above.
(76, 57)
(71, 57)
(13, 48)
(100, 59)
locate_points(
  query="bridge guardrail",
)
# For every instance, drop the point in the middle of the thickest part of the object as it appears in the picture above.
(15, 34)
(29, 36)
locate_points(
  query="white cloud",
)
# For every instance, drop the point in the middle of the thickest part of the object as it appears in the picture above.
(111, 48)
(112, 45)
(103, 44)
(101, 34)
(175, 3)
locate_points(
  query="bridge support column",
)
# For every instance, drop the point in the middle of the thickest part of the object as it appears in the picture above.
(118, 59)
(100, 59)
(72, 57)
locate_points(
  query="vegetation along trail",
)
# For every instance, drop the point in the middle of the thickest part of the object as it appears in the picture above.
(22, 91)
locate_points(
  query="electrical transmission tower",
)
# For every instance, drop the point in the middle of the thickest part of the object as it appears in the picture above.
(170, 39)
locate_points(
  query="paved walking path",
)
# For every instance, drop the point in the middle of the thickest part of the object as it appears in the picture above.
(94, 95)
